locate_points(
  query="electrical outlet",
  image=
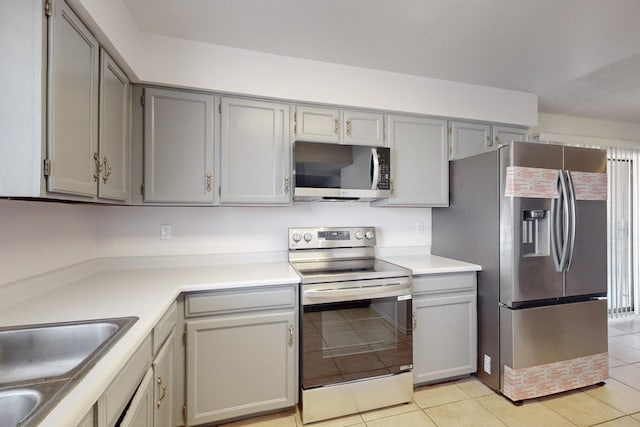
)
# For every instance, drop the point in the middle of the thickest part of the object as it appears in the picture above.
(165, 231)
(487, 364)
(419, 227)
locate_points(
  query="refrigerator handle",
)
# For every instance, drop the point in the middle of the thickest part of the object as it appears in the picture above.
(555, 234)
(565, 221)
(572, 220)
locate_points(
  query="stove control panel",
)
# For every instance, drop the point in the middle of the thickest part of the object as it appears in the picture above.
(331, 237)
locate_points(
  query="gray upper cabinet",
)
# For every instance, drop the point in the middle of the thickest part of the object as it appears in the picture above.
(504, 135)
(314, 124)
(469, 139)
(178, 147)
(72, 147)
(361, 128)
(114, 139)
(419, 165)
(254, 153)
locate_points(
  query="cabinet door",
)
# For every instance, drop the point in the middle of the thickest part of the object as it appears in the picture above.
(362, 128)
(72, 106)
(178, 147)
(317, 124)
(240, 365)
(504, 135)
(469, 139)
(419, 164)
(163, 368)
(444, 337)
(140, 411)
(254, 149)
(88, 420)
(114, 141)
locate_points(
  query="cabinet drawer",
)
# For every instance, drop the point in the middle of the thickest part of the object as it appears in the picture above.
(164, 327)
(228, 301)
(449, 282)
(115, 398)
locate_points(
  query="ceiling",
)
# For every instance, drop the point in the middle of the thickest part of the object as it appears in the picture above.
(582, 57)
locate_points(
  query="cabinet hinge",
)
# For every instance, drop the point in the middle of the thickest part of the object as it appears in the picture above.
(142, 100)
(184, 414)
(47, 8)
(142, 190)
(47, 167)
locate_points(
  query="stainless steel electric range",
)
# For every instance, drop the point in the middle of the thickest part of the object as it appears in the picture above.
(356, 350)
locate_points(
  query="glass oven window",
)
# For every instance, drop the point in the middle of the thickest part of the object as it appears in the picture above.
(354, 340)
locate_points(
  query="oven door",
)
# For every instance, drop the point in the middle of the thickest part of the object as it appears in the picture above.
(355, 330)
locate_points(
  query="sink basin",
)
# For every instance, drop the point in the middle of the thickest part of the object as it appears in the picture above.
(52, 350)
(39, 364)
(16, 405)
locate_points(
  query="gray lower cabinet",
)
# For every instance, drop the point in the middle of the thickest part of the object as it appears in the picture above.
(254, 153)
(419, 162)
(241, 353)
(140, 411)
(445, 326)
(163, 374)
(178, 147)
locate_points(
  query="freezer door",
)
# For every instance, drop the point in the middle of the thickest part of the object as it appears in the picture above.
(587, 271)
(538, 336)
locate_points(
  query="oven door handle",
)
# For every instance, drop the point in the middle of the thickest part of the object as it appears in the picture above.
(353, 293)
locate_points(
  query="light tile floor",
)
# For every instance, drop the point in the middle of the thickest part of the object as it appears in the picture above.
(467, 402)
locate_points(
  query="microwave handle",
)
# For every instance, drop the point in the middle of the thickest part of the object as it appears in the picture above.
(376, 169)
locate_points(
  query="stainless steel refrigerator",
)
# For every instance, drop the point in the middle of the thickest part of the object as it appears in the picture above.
(533, 215)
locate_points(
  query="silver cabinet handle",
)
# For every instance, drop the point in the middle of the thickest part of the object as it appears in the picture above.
(290, 335)
(107, 167)
(349, 127)
(209, 182)
(415, 320)
(96, 175)
(286, 184)
(337, 128)
(489, 142)
(164, 391)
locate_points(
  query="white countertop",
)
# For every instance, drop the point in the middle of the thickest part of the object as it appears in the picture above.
(431, 264)
(146, 293)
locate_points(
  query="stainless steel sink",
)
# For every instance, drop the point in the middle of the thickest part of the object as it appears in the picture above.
(16, 405)
(39, 364)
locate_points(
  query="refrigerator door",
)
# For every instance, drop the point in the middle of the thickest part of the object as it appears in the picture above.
(587, 270)
(528, 185)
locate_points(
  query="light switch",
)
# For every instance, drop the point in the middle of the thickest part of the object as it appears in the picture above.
(165, 231)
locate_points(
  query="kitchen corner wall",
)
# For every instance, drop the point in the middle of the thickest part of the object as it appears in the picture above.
(37, 237)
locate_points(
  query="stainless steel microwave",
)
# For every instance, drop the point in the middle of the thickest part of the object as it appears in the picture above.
(324, 171)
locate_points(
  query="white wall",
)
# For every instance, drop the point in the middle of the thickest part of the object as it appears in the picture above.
(36, 237)
(134, 231)
(582, 130)
(165, 60)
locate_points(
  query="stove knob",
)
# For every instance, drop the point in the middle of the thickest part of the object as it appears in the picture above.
(359, 235)
(368, 235)
(308, 237)
(296, 237)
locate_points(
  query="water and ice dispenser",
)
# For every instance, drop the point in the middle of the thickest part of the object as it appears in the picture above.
(536, 232)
